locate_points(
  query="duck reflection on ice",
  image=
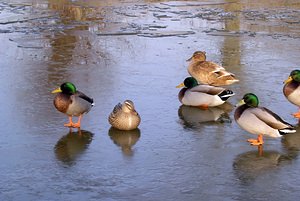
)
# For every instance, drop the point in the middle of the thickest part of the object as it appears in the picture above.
(192, 116)
(125, 139)
(72, 145)
(291, 144)
(250, 165)
(253, 164)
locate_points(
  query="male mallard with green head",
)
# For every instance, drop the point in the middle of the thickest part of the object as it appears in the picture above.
(124, 116)
(202, 96)
(208, 72)
(260, 120)
(291, 90)
(72, 103)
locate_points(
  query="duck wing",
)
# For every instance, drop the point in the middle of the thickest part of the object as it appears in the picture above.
(212, 66)
(270, 118)
(85, 97)
(222, 73)
(212, 90)
(116, 110)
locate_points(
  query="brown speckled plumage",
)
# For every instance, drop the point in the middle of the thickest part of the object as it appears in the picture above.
(207, 72)
(124, 116)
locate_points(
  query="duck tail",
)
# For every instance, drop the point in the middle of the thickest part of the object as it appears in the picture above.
(224, 95)
(285, 131)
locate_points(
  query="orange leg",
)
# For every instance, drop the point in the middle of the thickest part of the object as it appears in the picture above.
(260, 150)
(79, 132)
(70, 124)
(71, 131)
(203, 107)
(258, 141)
(77, 125)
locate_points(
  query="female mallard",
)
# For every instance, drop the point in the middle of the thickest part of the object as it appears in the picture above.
(124, 116)
(203, 96)
(259, 120)
(72, 103)
(207, 72)
(291, 90)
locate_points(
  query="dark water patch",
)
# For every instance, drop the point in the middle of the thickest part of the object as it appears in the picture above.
(166, 34)
(118, 34)
(5, 31)
(222, 32)
(212, 14)
(25, 20)
(184, 4)
(282, 15)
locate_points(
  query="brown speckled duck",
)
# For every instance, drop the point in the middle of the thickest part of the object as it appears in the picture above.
(207, 72)
(124, 116)
(291, 90)
(72, 103)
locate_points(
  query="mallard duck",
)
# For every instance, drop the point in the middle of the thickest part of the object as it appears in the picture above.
(124, 116)
(260, 120)
(207, 72)
(72, 103)
(202, 96)
(291, 90)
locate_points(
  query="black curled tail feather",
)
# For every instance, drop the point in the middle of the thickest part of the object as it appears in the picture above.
(285, 131)
(224, 95)
(85, 97)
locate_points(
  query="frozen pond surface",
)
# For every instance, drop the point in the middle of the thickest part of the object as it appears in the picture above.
(117, 50)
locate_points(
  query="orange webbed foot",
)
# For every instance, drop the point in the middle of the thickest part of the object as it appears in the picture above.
(296, 115)
(252, 140)
(70, 125)
(256, 142)
(76, 125)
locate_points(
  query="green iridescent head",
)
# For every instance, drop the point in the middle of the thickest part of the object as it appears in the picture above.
(295, 75)
(250, 99)
(190, 82)
(66, 88)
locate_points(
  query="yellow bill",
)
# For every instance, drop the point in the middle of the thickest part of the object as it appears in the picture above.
(288, 80)
(241, 102)
(180, 85)
(58, 90)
